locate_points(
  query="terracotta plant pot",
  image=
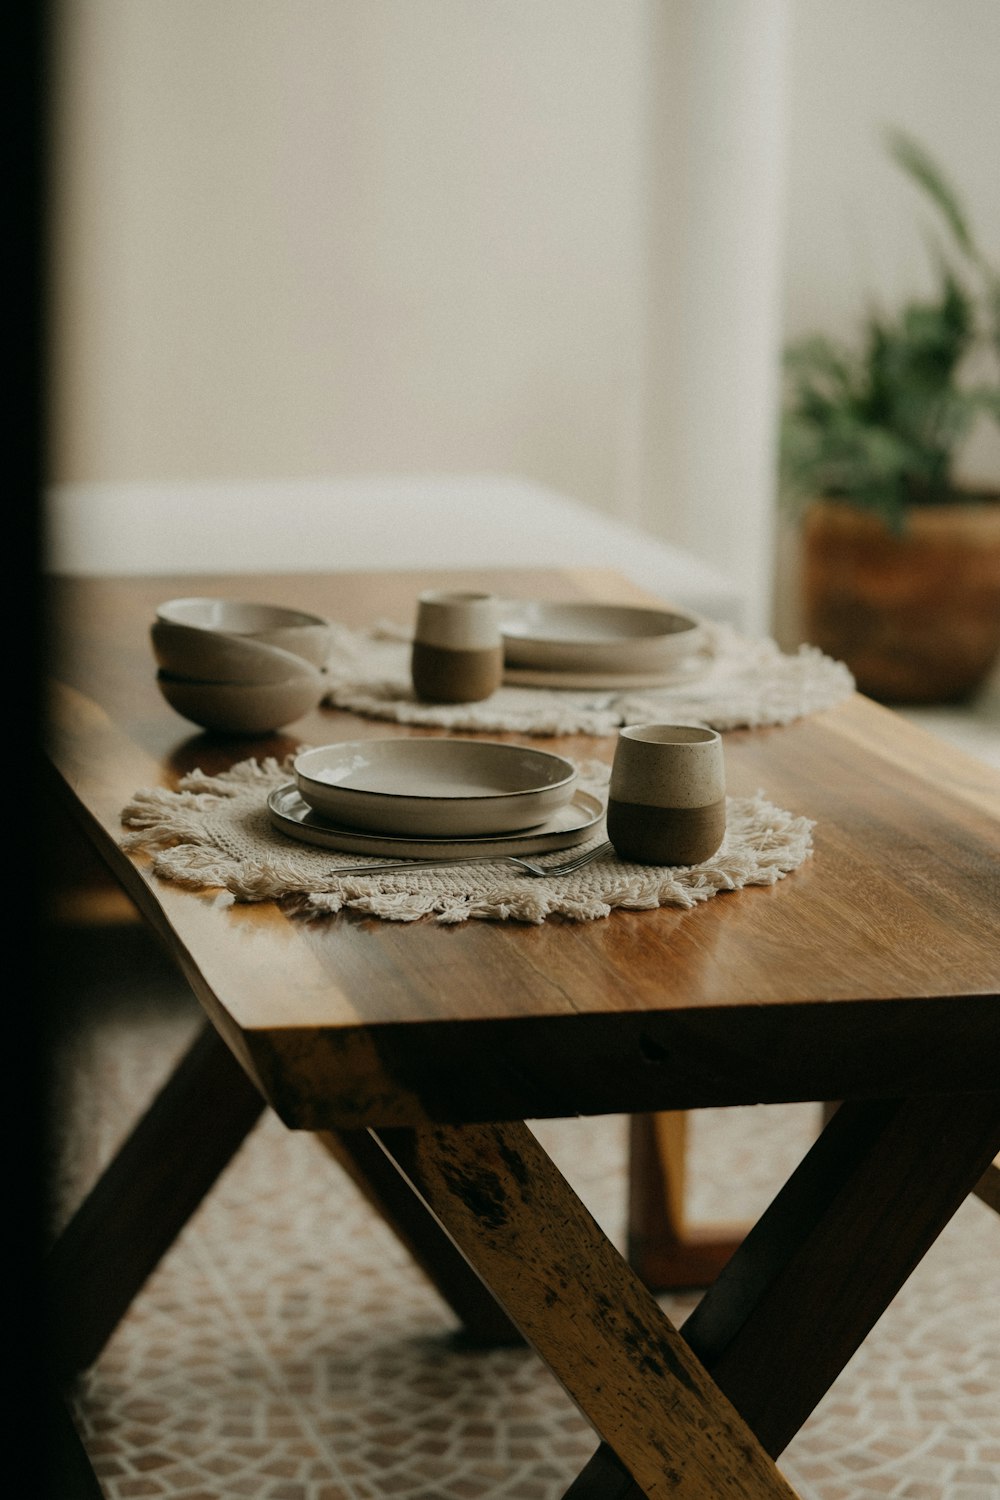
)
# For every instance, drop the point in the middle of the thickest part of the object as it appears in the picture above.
(915, 616)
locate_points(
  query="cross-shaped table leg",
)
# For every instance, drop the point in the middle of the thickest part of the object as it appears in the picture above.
(702, 1412)
(173, 1156)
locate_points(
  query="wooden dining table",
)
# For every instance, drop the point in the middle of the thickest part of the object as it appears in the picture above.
(869, 977)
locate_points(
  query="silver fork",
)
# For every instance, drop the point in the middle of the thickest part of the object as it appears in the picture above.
(526, 865)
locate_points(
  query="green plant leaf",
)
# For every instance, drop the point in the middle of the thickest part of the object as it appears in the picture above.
(920, 166)
(880, 422)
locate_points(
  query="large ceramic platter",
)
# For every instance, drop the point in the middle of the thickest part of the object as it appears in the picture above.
(437, 788)
(573, 823)
(596, 637)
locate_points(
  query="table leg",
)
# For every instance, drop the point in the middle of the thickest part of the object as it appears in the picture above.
(883, 1180)
(162, 1172)
(853, 1221)
(664, 1250)
(143, 1199)
(526, 1234)
(483, 1320)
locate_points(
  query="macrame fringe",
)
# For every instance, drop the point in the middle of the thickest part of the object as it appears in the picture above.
(764, 843)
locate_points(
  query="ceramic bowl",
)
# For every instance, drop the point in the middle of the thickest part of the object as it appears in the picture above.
(243, 707)
(596, 637)
(269, 624)
(215, 656)
(442, 788)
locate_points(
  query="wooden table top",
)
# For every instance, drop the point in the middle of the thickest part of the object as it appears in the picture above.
(872, 970)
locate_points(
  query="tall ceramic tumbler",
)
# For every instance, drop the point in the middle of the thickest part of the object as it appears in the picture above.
(457, 654)
(667, 797)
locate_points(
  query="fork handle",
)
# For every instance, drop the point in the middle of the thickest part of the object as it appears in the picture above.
(416, 864)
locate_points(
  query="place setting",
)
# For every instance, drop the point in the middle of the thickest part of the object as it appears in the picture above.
(446, 802)
(452, 829)
(478, 662)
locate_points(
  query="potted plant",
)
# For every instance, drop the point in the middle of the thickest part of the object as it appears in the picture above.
(900, 555)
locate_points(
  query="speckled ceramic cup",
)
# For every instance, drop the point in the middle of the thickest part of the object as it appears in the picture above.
(457, 654)
(667, 797)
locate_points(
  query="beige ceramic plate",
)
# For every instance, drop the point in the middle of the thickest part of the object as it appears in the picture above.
(573, 823)
(441, 788)
(688, 671)
(596, 637)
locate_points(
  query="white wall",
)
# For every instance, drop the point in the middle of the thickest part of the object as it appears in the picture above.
(556, 238)
(338, 236)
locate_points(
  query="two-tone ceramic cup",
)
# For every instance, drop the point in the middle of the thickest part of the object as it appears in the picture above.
(457, 654)
(667, 796)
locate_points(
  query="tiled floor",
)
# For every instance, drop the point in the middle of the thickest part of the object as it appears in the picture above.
(287, 1349)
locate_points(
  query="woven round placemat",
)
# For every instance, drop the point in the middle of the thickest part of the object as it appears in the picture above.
(739, 683)
(215, 831)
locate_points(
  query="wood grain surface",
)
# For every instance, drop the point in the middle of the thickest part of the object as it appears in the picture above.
(874, 969)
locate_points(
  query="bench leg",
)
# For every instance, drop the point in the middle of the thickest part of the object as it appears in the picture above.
(665, 1251)
(143, 1199)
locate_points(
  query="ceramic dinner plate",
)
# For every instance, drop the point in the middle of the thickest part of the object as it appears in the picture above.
(594, 638)
(436, 788)
(573, 823)
(688, 671)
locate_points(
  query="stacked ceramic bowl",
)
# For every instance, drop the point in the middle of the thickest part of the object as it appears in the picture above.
(239, 667)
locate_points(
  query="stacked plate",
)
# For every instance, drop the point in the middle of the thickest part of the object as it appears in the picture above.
(422, 798)
(600, 645)
(239, 667)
